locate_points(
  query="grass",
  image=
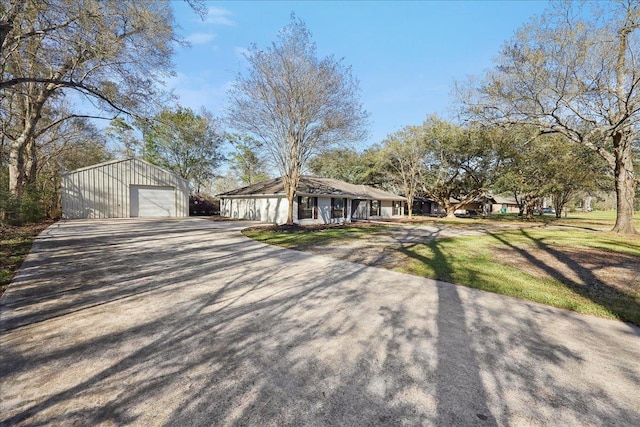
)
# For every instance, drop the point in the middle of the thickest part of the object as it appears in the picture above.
(15, 244)
(595, 219)
(301, 238)
(479, 262)
(486, 262)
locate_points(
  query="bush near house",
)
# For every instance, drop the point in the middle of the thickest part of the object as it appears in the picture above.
(201, 205)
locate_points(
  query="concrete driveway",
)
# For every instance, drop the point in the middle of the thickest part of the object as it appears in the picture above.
(187, 322)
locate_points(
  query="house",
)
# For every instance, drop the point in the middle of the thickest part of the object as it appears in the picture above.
(501, 204)
(123, 189)
(317, 201)
(481, 205)
(426, 206)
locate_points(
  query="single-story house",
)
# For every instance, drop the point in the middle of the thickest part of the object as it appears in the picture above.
(481, 205)
(501, 204)
(428, 206)
(425, 206)
(317, 201)
(123, 189)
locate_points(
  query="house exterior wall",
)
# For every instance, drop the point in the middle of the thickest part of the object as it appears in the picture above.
(102, 191)
(437, 209)
(362, 210)
(264, 209)
(511, 208)
(324, 213)
(274, 210)
(386, 210)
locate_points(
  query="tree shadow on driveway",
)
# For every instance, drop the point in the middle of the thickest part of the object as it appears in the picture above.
(249, 334)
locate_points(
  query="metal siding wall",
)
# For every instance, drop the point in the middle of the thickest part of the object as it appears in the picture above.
(103, 191)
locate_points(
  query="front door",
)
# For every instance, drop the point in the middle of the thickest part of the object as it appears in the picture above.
(358, 209)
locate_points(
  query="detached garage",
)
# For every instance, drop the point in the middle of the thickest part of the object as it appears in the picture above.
(123, 189)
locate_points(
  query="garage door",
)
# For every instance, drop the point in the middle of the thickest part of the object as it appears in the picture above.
(152, 201)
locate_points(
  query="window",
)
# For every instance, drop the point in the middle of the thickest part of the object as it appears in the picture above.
(307, 207)
(375, 208)
(338, 208)
(397, 208)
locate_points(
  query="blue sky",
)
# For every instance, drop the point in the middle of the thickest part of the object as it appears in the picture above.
(406, 55)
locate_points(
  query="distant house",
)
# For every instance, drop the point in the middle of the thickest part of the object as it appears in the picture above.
(426, 206)
(480, 205)
(317, 201)
(500, 204)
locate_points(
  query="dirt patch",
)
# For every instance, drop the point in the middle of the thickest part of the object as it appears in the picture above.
(582, 266)
(371, 252)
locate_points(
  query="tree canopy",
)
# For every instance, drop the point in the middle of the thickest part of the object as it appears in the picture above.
(184, 142)
(245, 160)
(573, 71)
(113, 53)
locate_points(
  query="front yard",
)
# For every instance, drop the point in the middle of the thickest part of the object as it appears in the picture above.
(566, 263)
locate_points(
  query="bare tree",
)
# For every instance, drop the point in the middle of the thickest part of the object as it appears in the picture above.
(112, 53)
(574, 71)
(295, 103)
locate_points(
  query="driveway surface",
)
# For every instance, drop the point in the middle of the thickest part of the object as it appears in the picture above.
(187, 322)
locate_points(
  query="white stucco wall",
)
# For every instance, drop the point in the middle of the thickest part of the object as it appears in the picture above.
(274, 210)
(324, 213)
(265, 209)
(386, 210)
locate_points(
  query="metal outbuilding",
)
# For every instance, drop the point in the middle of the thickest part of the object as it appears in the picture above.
(123, 189)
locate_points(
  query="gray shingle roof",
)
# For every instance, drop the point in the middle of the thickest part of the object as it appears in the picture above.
(314, 186)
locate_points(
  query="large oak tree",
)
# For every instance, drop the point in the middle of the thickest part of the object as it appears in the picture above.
(295, 103)
(574, 71)
(460, 162)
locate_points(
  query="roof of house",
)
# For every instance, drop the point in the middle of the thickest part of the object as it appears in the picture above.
(314, 186)
(504, 200)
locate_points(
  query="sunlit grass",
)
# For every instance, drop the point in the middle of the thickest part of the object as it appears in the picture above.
(470, 261)
(312, 237)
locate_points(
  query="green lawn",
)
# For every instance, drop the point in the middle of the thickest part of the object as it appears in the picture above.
(595, 219)
(545, 273)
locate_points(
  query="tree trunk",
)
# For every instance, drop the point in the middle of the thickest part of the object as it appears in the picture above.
(290, 186)
(625, 185)
(530, 206)
(22, 151)
(451, 210)
(530, 210)
(410, 205)
(30, 162)
(16, 167)
(290, 197)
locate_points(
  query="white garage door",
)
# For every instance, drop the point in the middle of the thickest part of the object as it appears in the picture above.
(152, 201)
